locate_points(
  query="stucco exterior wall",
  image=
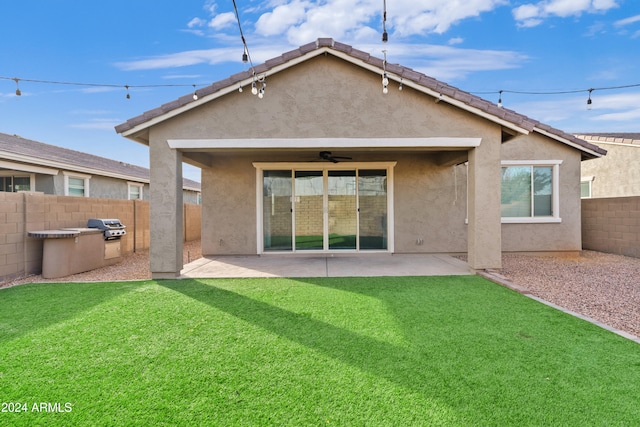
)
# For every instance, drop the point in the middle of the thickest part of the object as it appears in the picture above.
(564, 236)
(616, 174)
(328, 98)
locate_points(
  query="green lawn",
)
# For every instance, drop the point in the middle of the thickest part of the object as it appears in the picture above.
(415, 351)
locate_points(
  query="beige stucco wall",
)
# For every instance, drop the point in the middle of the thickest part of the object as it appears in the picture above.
(328, 98)
(617, 174)
(345, 102)
(564, 236)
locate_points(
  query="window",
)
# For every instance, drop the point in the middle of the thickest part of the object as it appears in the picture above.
(585, 187)
(529, 191)
(12, 184)
(135, 191)
(76, 185)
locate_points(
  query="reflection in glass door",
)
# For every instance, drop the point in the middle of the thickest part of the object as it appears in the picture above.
(309, 210)
(276, 210)
(325, 210)
(342, 209)
(372, 204)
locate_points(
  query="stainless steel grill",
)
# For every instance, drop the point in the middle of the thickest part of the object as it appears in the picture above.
(112, 228)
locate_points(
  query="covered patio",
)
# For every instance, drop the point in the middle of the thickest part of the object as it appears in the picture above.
(325, 266)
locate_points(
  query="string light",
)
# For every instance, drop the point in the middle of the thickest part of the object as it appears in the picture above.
(18, 92)
(246, 57)
(195, 95)
(385, 78)
(400, 87)
(500, 92)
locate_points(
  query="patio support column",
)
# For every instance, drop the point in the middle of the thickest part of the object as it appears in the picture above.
(166, 212)
(484, 248)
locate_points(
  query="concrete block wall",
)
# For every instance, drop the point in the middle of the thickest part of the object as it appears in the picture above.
(32, 211)
(612, 225)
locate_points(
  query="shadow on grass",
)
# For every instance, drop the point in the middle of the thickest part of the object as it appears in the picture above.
(400, 365)
(18, 316)
(468, 346)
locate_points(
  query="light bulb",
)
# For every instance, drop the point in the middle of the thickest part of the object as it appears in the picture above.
(240, 89)
(261, 94)
(385, 90)
(254, 88)
(400, 87)
(195, 96)
(385, 80)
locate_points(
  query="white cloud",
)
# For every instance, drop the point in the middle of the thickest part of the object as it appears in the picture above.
(456, 40)
(196, 22)
(530, 15)
(180, 59)
(222, 20)
(449, 63)
(304, 20)
(435, 16)
(97, 124)
(282, 17)
(627, 21)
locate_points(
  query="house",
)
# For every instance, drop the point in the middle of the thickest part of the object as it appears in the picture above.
(27, 165)
(333, 157)
(617, 174)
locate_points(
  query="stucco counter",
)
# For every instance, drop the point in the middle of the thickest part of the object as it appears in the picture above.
(74, 250)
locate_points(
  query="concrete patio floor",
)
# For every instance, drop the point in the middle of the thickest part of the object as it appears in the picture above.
(325, 266)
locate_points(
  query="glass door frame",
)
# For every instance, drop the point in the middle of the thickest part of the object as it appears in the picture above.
(317, 166)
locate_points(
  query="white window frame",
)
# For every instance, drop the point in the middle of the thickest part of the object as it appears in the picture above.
(15, 174)
(138, 185)
(555, 196)
(85, 178)
(298, 166)
(588, 180)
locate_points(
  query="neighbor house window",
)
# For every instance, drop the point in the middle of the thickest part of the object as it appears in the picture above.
(12, 184)
(585, 187)
(135, 191)
(529, 191)
(76, 185)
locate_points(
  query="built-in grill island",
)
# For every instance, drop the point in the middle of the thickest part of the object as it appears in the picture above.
(75, 250)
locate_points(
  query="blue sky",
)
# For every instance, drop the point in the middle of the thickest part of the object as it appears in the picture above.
(481, 46)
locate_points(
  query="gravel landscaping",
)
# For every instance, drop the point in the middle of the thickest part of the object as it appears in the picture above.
(601, 286)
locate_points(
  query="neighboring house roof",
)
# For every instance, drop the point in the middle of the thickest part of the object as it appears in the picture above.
(410, 78)
(614, 137)
(22, 150)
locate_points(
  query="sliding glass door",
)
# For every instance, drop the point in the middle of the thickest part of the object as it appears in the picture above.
(325, 210)
(309, 210)
(342, 209)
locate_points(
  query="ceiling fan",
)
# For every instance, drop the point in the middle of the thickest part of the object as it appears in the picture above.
(326, 155)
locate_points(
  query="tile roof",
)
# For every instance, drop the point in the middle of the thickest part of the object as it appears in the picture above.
(64, 158)
(461, 98)
(616, 138)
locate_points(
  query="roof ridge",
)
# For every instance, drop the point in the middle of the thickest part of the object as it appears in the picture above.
(613, 138)
(406, 74)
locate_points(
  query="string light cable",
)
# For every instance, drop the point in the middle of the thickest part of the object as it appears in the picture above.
(262, 81)
(557, 92)
(246, 58)
(98, 85)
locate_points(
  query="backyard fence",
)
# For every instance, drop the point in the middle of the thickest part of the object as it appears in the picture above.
(31, 211)
(612, 225)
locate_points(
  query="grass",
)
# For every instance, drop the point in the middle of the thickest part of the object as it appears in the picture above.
(336, 241)
(408, 351)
